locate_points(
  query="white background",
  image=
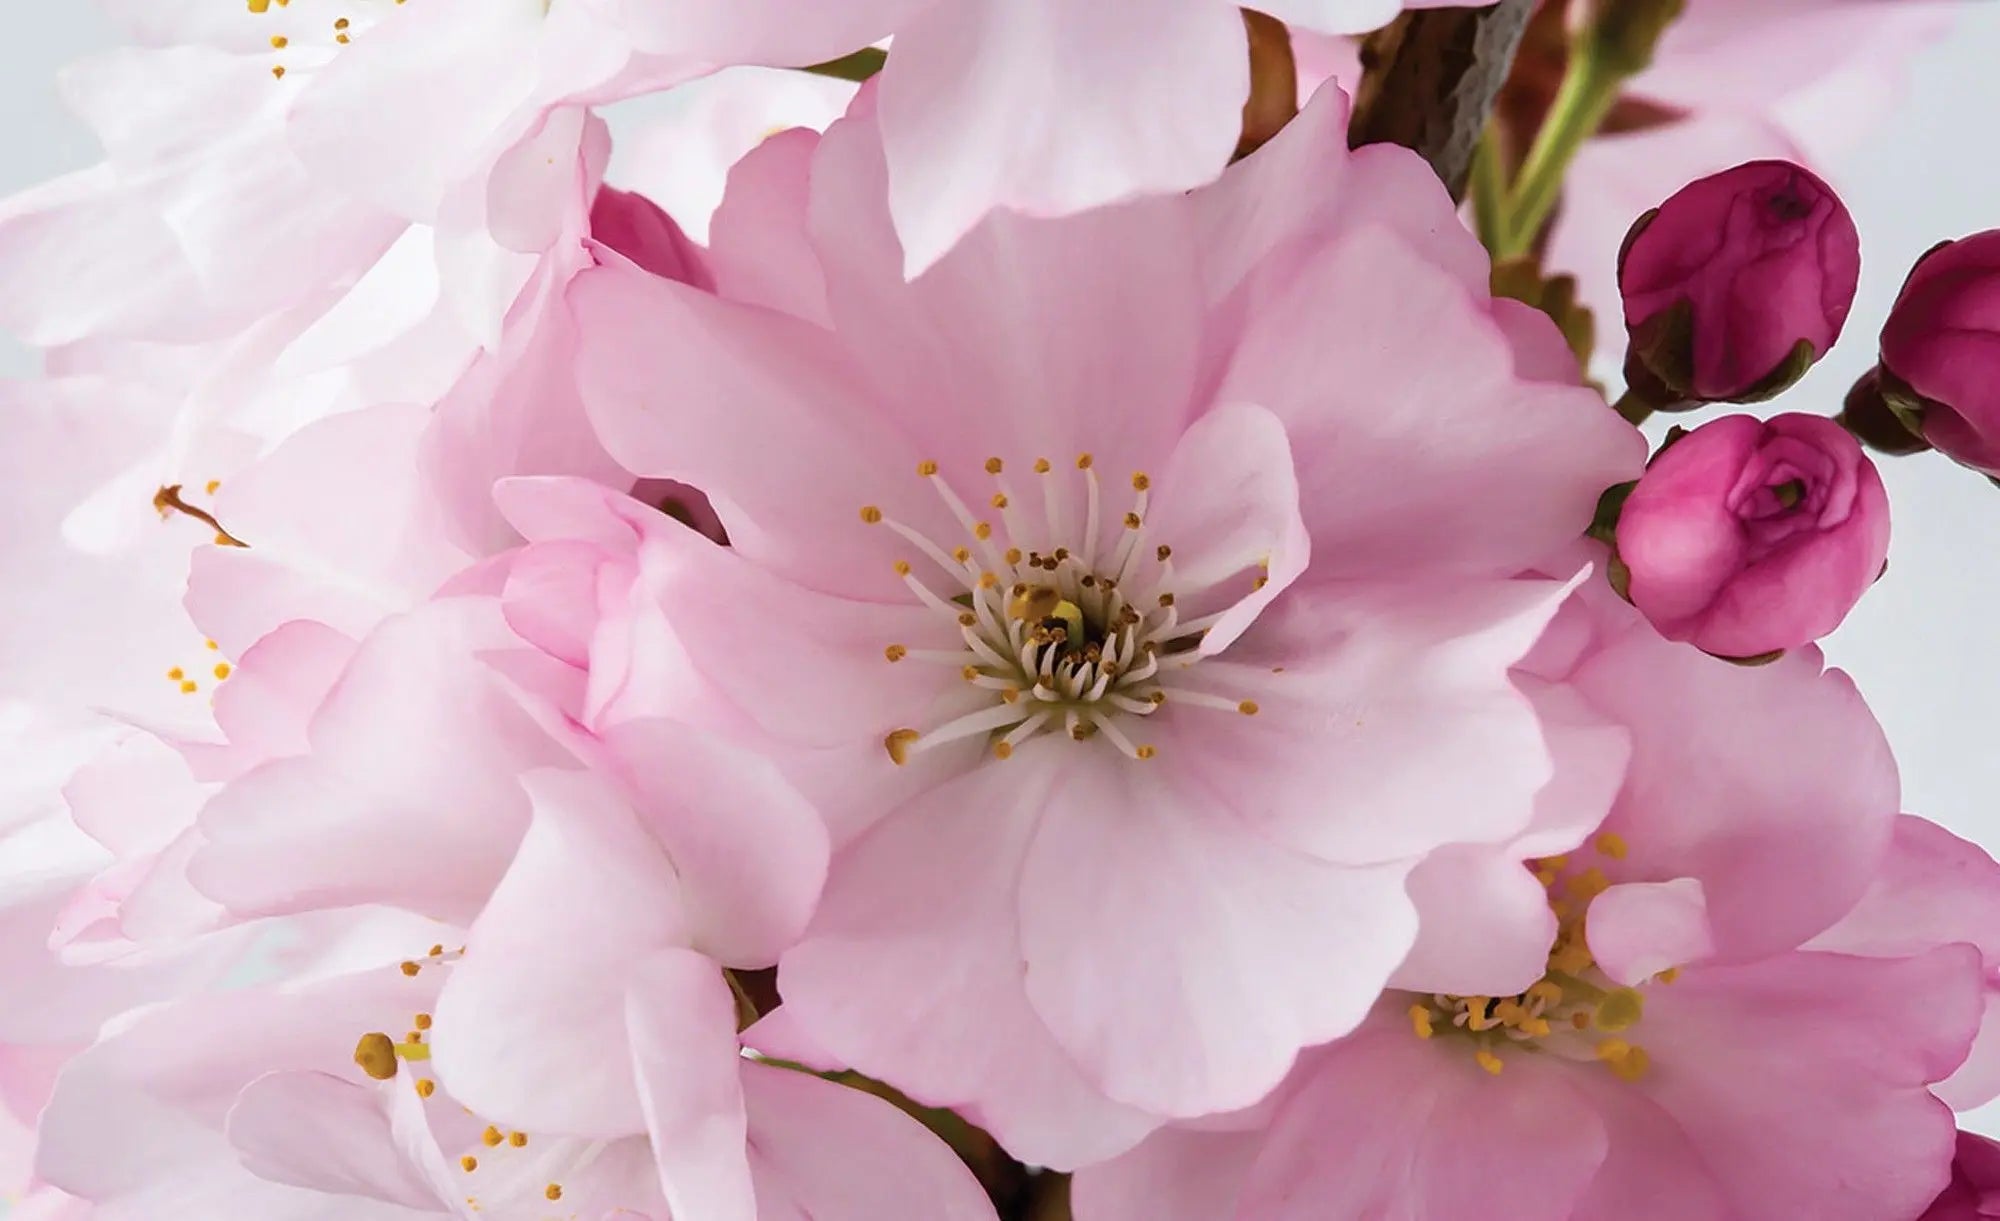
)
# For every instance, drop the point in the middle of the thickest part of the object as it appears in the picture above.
(1924, 645)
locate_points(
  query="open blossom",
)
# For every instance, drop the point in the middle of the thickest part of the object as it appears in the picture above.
(1046, 107)
(1079, 600)
(1746, 536)
(1724, 1016)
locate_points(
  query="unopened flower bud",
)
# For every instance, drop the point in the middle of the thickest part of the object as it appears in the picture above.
(1941, 351)
(1736, 285)
(1747, 537)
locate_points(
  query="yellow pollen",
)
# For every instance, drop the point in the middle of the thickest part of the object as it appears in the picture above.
(1042, 466)
(260, 6)
(999, 500)
(1580, 1019)
(279, 42)
(1132, 521)
(426, 1087)
(1083, 462)
(1013, 556)
(898, 745)
(1621, 1009)
(517, 1139)
(1166, 600)
(553, 1191)
(1141, 481)
(989, 580)
(341, 39)
(1247, 707)
(222, 669)
(1146, 752)
(1488, 1061)
(411, 968)
(190, 687)
(414, 1037)
(994, 466)
(902, 568)
(961, 554)
(1546, 991)
(927, 468)
(177, 674)
(871, 514)
(1011, 695)
(1420, 1021)
(469, 1163)
(1669, 975)
(423, 1021)
(341, 24)
(1612, 845)
(970, 674)
(983, 531)
(967, 619)
(1164, 553)
(435, 950)
(1002, 750)
(376, 1054)
(278, 71)
(1475, 1014)
(895, 652)
(1590, 884)
(211, 645)
(1633, 1066)
(491, 1137)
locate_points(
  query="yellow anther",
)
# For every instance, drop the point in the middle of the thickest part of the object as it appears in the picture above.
(190, 687)
(1420, 1021)
(376, 1054)
(1580, 1019)
(1003, 750)
(895, 652)
(177, 674)
(994, 466)
(1013, 556)
(553, 1191)
(280, 42)
(1163, 553)
(1555, 862)
(491, 1137)
(898, 745)
(1083, 462)
(927, 468)
(1247, 707)
(211, 645)
(1669, 975)
(1141, 481)
(341, 24)
(967, 619)
(260, 6)
(1633, 1066)
(1488, 1061)
(1547, 877)
(517, 1139)
(426, 1087)
(1535, 1027)
(999, 500)
(1621, 1009)
(1612, 844)
(1613, 1050)
(1146, 752)
(1591, 884)
(970, 674)
(222, 669)
(961, 554)
(1042, 466)
(468, 1163)
(423, 1021)
(434, 951)
(278, 71)
(1132, 521)
(1546, 991)
(983, 531)
(902, 568)
(411, 968)
(1475, 1014)
(1011, 695)
(871, 514)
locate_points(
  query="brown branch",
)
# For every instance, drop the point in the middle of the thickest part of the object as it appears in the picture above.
(1430, 79)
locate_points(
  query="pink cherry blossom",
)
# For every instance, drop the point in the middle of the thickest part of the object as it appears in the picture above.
(1041, 107)
(1203, 496)
(1713, 1041)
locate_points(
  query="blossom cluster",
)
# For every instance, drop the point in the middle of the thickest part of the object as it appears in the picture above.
(943, 634)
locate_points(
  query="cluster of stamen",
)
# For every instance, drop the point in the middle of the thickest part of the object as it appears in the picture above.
(1067, 638)
(382, 1057)
(342, 30)
(169, 501)
(1573, 1011)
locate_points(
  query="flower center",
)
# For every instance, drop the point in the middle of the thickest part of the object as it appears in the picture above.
(1573, 1011)
(1063, 628)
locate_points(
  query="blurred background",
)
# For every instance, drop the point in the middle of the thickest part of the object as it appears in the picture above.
(1924, 645)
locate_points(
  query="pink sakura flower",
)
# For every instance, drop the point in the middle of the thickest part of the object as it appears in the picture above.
(1752, 1003)
(1046, 107)
(578, 1056)
(1070, 584)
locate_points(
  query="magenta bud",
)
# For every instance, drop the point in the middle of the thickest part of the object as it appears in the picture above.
(1748, 536)
(1941, 351)
(1736, 285)
(1974, 1191)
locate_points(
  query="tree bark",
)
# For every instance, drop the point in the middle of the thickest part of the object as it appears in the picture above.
(1429, 81)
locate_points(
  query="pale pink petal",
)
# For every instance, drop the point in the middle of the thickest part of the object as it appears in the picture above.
(317, 1131)
(911, 972)
(1733, 768)
(1260, 951)
(1933, 889)
(587, 895)
(821, 1151)
(1421, 462)
(1348, 16)
(1177, 1174)
(1651, 1170)
(682, 1023)
(1390, 1125)
(1639, 929)
(759, 242)
(1051, 107)
(782, 32)
(1741, 1053)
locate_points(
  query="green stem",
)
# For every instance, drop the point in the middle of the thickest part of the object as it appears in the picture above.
(858, 66)
(1589, 90)
(1489, 189)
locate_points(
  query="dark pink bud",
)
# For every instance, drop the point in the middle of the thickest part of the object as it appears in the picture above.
(640, 229)
(1941, 350)
(1974, 1193)
(1737, 284)
(1749, 536)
